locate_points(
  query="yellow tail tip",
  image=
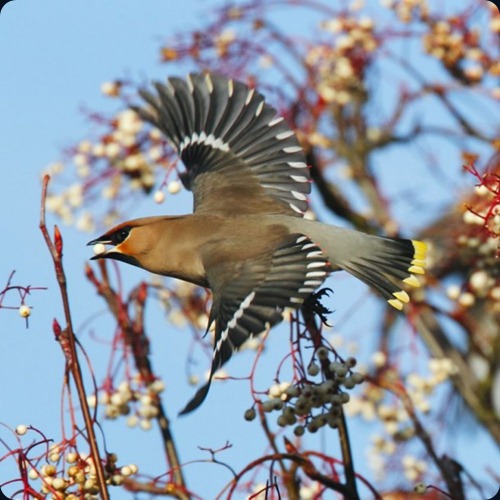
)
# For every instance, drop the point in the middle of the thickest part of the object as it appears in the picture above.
(412, 281)
(416, 270)
(396, 303)
(418, 262)
(420, 249)
(402, 296)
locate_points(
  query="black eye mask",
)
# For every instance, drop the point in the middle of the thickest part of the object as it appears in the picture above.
(120, 236)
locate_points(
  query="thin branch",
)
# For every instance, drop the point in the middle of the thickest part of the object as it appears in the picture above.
(137, 340)
(350, 474)
(304, 463)
(55, 247)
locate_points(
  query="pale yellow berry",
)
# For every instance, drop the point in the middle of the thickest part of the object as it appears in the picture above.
(85, 146)
(80, 477)
(117, 399)
(59, 484)
(472, 218)
(159, 197)
(24, 311)
(132, 421)
(275, 391)
(466, 299)
(99, 248)
(146, 399)
(90, 486)
(117, 479)
(126, 471)
(21, 430)
(73, 470)
(157, 386)
(48, 470)
(482, 190)
(111, 89)
(174, 187)
(47, 483)
(379, 359)
(112, 150)
(146, 425)
(148, 411)
(480, 281)
(453, 292)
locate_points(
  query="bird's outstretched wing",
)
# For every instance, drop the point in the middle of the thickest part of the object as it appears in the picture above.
(256, 295)
(239, 156)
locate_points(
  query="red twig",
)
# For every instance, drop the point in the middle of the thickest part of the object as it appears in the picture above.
(66, 337)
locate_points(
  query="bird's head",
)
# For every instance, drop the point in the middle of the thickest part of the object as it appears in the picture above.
(123, 240)
(165, 245)
(131, 242)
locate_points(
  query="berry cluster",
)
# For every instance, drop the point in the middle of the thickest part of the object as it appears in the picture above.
(459, 48)
(70, 475)
(478, 242)
(122, 163)
(341, 63)
(124, 398)
(311, 405)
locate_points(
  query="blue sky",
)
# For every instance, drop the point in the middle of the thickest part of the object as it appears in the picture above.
(54, 55)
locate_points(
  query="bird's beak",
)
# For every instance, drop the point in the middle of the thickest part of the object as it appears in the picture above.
(101, 251)
(103, 240)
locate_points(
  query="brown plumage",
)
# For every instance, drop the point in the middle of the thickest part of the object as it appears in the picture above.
(247, 239)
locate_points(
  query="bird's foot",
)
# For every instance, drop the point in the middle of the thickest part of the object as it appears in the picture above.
(313, 304)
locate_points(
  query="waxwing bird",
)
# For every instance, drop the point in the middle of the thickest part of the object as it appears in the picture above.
(247, 239)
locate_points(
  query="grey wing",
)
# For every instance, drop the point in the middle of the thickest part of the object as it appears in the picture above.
(239, 156)
(255, 297)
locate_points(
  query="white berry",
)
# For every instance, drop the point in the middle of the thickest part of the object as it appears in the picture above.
(21, 430)
(174, 187)
(99, 248)
(24, 311)
(159, 197)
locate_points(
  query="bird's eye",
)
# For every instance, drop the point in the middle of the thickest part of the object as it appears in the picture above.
(120, 236)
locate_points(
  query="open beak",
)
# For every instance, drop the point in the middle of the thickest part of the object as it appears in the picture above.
(111, 253)
(99, 248)
(103, 240)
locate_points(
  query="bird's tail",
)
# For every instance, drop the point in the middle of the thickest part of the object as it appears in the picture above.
(389, 265)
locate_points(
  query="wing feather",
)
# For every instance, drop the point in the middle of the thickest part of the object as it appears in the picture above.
(256, 296)
(223, 127)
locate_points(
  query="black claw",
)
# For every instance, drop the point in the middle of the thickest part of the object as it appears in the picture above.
(313, 303)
